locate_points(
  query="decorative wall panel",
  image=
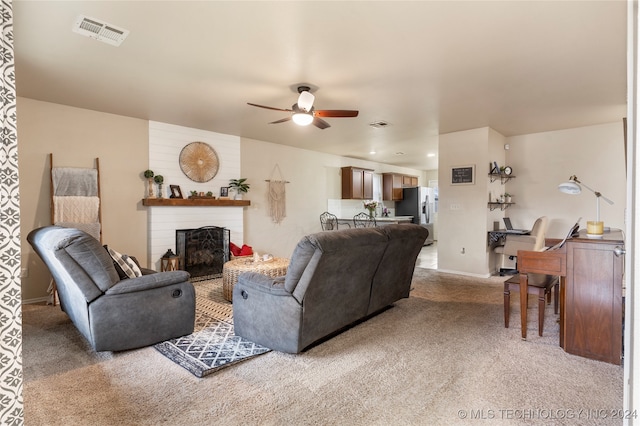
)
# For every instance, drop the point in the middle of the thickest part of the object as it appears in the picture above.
(11, 403)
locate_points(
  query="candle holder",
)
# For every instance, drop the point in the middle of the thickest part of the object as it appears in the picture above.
(169, 262)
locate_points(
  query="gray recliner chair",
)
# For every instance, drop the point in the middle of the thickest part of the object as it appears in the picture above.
(113, 314)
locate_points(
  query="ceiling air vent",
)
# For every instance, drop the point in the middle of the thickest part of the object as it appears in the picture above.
(99, 30)
(379, 124)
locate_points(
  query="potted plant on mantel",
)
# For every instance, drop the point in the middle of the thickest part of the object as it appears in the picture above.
(159, 179)
(149, 175)
(239, 186)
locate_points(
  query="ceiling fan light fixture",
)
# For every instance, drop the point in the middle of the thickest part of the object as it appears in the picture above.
(304, 113)
(305, 100)
(302, 118)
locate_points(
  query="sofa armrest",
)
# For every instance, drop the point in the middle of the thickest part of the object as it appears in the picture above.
(146, 282)
(263, 283)
(265, 313)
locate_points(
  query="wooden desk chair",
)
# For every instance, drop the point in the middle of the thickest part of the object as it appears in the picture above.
(538, 284)
(363, 220)
(328, 221)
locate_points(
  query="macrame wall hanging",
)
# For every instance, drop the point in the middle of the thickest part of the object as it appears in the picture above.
(277, 195)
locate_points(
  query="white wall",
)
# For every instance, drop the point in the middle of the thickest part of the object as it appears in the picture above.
(76, 137)
(314, 178)
(462, 216)
(165, 143)
(541, 161)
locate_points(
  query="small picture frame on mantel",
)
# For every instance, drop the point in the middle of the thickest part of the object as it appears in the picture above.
(224, 192)
(176, 192)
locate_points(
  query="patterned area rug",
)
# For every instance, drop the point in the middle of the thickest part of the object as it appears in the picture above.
(213, 344)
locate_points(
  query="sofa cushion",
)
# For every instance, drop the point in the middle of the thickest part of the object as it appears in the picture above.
(334, 270)
(82, 257)
(393, 278)
(301, 257)
(311, 248)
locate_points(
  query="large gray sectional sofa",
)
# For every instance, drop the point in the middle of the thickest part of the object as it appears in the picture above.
(335, 279)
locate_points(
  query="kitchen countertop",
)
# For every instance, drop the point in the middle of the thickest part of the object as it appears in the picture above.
(392, 219)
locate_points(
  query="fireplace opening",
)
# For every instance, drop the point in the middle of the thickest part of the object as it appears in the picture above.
(203, 251)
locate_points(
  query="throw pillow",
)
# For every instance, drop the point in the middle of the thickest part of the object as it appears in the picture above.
(246, 250)
(235, 250)
(119, 270)
(125, 263)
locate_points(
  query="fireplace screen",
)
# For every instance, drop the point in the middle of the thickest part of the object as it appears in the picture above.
(203, 251)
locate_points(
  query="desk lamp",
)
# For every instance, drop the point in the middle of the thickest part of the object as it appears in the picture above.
(595, 229)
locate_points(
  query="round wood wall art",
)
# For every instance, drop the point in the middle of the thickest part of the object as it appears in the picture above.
(199, 162)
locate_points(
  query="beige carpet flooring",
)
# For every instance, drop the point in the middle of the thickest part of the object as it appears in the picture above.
(440, 357)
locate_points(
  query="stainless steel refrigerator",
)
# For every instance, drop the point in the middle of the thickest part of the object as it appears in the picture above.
(418, 202)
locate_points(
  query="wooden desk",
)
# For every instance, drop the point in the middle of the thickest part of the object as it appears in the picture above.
(498, 237)
(590, 293)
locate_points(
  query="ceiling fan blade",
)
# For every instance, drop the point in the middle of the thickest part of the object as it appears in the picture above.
(335, 113)
(320, 123)
(281, 121)
(268, 107)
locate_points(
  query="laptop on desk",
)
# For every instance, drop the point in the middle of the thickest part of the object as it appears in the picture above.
(510, 230)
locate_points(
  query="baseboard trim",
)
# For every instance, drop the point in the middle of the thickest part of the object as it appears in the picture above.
(36, 300)
(466, 274)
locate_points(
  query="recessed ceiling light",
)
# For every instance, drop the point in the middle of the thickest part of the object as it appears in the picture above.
(431, 154)
(372, 152)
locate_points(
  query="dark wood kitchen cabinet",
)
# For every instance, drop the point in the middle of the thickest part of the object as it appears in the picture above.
(393, 183)
(391, 186)
(357, 183)
(409, 181)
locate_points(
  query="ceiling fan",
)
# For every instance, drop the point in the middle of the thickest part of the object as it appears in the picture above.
(303, 112)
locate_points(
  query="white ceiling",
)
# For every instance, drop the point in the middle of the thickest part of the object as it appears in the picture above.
(425, 67)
